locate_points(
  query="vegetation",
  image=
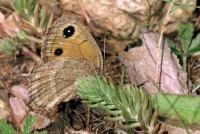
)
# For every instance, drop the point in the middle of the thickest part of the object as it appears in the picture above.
(128, 106)
(6, 128)
(131, 108)
(189, 46)
(34, 20)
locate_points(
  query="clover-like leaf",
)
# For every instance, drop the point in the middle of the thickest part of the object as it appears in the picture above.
(195, 46)
(186, 32)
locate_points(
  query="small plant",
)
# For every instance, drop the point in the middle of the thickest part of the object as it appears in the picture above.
(189, 46)
(131, 108)
(195, 86)
(7, 45)
(32, 20)
(6, 128)
(128, 106)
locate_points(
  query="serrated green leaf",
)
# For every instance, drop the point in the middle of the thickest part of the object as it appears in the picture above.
(128, 126)
(148, 114)
(43, 132)
(144, 107)
(138, 98)
(125, 104)
(115, 118)
(7, 45)
(195, 46)
(154, 118)
(187, 3)
(195, 85)
(112, 112)
(131, 105)
(34, 14)
(42, 14)
(186, 33)
(124, 99)
(173, 47)
(195, 42)
(172, 106)
(16, 5)
(49, 21)
(193, 52)
(6, 128)
(171, 44)
(22, 5)
(30, 119)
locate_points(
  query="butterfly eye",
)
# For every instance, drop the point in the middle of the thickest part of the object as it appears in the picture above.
(68, 32)
(58, 51)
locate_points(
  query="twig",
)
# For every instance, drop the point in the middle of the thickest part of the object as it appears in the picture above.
(31, 54)
(34, 39)
(196, 66)
(158, 70)
(88, 119)
(194, 90)
(104, 53)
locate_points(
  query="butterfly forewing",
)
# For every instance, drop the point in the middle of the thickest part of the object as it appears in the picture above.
(69, 38)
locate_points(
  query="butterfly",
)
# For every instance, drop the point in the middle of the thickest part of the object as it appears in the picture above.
(69, 52)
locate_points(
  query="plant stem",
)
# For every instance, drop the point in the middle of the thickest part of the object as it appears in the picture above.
(184, 58)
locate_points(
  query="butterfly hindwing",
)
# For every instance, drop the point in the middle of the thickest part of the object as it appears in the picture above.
(52, 81)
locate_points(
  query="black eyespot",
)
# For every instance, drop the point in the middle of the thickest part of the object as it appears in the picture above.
(58, 51)
(68, 32)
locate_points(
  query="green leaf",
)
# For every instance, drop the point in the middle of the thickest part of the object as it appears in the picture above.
(186, 33)
(30, 119)
(183, 107)
(193, 52)
(173, 47)
(195, 85)
(21, 7)
(7, 45)
(182, 3)
(6, 128)
(195, 44)
(43, 132)
(127, 105)
(33, 13)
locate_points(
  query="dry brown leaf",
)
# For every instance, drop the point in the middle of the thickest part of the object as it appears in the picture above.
(20, 91)
(40, 122)
(2, 17)
(19, 110)
(172, 128)
(4, 105)
(141, 63)
(8, 25)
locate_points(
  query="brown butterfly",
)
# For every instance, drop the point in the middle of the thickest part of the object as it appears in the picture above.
(69, 52)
